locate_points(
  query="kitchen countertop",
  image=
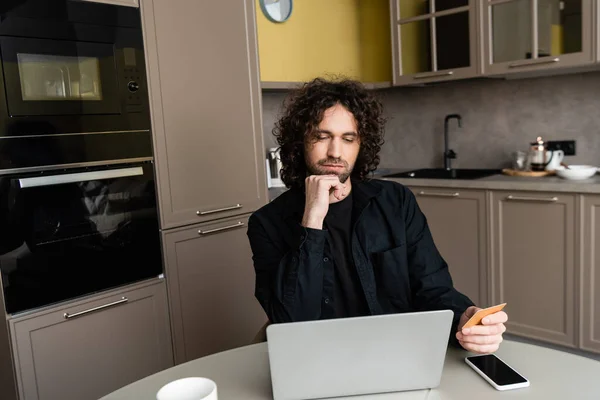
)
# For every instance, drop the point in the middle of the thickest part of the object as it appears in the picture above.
(501, 182)
(494, 182)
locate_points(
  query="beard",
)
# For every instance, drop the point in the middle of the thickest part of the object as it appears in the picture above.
(320, 169)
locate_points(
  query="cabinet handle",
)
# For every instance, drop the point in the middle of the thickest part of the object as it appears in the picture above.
(225, 228)
(41, 181)
(534, 62)
(114, 303)
(218, 210)
(433, 75)
(434, 194)
(544, 199)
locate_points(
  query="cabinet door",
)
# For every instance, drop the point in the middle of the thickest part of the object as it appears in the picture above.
(590, 280)
(433, 40)
(129, 3)
(206, 108)
(533, 263)
(93, 347)
(457, 220)
(211, 288)
(529, 35)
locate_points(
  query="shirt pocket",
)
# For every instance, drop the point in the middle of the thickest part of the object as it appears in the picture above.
(391, 276)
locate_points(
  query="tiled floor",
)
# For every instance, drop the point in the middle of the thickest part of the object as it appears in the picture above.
(593, 356)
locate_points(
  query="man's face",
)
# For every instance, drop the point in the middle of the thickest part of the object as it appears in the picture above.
(334, 147)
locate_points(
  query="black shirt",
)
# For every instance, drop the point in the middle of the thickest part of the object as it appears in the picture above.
(349, 298)
(396, 260)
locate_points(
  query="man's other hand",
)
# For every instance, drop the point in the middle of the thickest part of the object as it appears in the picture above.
(485, 338)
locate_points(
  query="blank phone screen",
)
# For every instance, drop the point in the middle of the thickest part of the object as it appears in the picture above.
(496, 370)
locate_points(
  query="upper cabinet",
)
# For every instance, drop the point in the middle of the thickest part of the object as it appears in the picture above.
(206, 108)
(433, 40)
(526, 35)
(333, 37)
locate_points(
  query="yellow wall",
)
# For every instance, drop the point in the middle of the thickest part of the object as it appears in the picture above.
(375, 40)
(327, 37)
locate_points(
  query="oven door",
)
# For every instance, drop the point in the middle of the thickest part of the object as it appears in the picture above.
(59, 77)
(75, 233)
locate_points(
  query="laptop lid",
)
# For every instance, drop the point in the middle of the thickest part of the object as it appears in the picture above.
(354, 356)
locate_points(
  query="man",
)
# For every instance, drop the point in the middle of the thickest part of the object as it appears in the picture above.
(340, 245)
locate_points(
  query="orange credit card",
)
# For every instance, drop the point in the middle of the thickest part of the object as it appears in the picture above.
(481, 314)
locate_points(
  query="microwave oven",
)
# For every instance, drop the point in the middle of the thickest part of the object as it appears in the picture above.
(70, 73)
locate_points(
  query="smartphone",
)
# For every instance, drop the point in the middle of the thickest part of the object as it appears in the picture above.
(498, 374)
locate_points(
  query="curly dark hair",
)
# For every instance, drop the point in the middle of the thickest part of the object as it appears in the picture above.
(303, 112)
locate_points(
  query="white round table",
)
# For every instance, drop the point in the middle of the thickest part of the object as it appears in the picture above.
(243, 374)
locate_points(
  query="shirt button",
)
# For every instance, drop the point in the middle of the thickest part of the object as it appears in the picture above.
(325, 259)
(302, 237)
(326, 300)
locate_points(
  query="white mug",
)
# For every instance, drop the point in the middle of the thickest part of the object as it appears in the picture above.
(557, 158)
(188, 389)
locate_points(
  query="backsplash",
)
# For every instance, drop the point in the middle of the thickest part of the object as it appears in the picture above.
(498, 117)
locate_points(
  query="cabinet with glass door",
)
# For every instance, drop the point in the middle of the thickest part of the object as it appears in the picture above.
(433, 40)
(534, 35)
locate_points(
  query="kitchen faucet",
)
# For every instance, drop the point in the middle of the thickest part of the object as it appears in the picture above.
(448, 153)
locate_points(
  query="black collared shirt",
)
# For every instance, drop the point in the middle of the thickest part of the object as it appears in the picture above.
(398, 265)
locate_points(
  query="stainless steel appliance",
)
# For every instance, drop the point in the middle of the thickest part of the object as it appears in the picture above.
(78, 210)
(274, 168)
(69, 233)
(69, 70)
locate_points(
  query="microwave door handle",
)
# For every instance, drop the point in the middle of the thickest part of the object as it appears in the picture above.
(51, 180)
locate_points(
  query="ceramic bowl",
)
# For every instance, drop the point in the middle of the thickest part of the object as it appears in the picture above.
(576, 172)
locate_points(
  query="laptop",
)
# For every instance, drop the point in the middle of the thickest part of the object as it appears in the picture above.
(357, 356)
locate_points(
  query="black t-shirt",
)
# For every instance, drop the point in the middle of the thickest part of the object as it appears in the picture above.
(349, 297)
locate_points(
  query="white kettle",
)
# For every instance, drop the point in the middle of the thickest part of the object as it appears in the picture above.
(555, 158)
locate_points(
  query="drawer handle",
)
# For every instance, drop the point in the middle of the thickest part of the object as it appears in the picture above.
(113, 304)
(543, 199)
(225, 228)
(535, 62)
(434, 75)
(435, 194)
(218, 210)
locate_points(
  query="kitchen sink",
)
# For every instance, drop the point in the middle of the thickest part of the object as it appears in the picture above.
(442, 173)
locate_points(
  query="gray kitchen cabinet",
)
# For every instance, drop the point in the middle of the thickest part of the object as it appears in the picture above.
(433, 41)
(205, 101)
(91, 347)
(8, 388)
(533, 263)
(457, 220)
(522, 36)
(211, 279)
(129, 3)
(590, 279)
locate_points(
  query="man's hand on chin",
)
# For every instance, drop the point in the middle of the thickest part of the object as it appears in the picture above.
(482, 339)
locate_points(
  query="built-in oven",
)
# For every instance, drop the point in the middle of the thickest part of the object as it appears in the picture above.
(70, 68)
(69, 233)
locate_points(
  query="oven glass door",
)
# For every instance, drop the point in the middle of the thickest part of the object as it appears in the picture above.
(71, 234)
(59, 77)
